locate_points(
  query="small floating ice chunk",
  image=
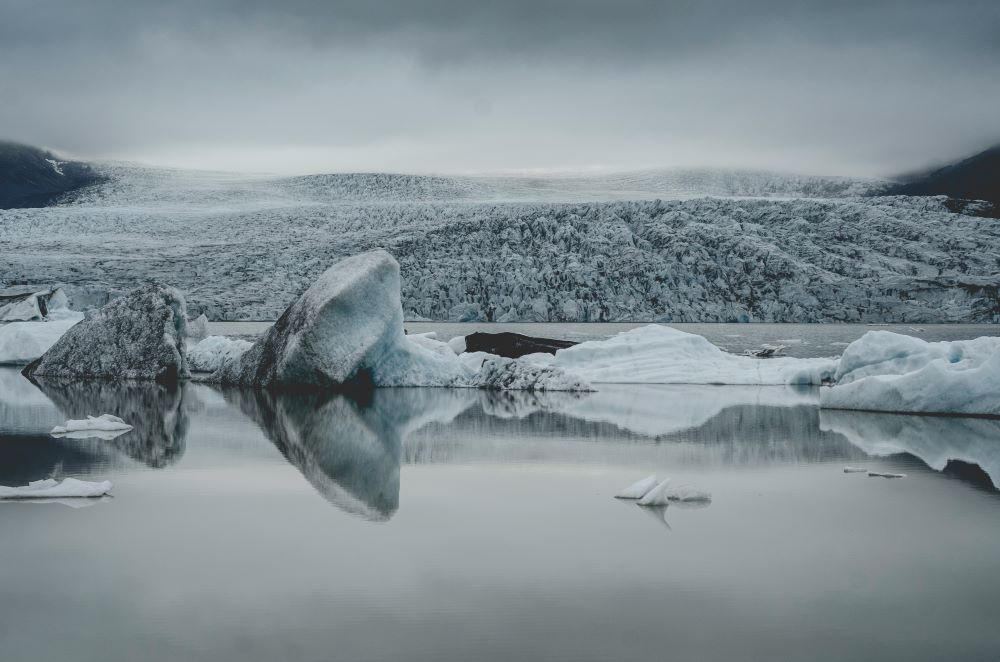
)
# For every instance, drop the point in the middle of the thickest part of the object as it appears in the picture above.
(667, 492)
(96, 426)
(854, 470)
(687, 493)
(638, 489)
(54, 489)
(880, 474)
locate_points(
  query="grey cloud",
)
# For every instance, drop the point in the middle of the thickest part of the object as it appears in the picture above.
(851, 87)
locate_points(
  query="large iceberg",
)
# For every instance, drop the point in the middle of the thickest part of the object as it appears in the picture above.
(346, 331)
(335, 334)
(656, 354)
(884, 371)
(138, 336)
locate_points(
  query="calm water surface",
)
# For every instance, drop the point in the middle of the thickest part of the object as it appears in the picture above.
(800, 340)
(450, 524)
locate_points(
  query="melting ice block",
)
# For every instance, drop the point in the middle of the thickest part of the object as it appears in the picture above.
(891, 372)
(638, 489)
(104, 426)
(667, 492)
(657, 354)
(54, 489)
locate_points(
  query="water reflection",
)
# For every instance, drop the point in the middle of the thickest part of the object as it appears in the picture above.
(155, 411)
(349, 449)
(935, 440)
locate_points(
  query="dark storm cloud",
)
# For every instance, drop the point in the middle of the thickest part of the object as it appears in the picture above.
(449, 85)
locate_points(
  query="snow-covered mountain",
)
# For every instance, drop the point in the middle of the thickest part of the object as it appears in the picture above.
(668, 245)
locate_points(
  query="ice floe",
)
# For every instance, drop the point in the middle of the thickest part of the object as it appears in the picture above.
(669, 492)
(104, 426)
(54, 489)
(638, 489)
(23, 342)
(885, 371)
(346, 330)
(656, 354)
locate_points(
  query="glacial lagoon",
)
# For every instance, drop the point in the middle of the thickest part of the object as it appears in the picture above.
(458, 524)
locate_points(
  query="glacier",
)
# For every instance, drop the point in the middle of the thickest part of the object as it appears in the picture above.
(518, 249)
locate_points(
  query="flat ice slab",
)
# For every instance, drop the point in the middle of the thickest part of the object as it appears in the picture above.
(656, 354)
(54, 489)
(669, 492)
(638, 489)
(23, 342)
(104, 426)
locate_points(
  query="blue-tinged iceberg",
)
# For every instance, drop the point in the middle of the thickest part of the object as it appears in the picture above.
(890, 372)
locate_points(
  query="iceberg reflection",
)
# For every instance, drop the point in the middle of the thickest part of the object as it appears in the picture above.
(155, 411)
(935, 440)
(349, 449)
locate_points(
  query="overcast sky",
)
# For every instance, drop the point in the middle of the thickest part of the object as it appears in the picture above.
(863, 88)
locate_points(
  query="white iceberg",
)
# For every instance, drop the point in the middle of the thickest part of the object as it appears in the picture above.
(638, 489)
(22, 304)
(213, 352)
(54, 489)
(23, 342)
(104, 426)
(655, 354)
(346, 330)
(890, 372)
(667, 492)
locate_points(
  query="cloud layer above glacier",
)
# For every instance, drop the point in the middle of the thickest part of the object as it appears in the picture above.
(460, 86)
